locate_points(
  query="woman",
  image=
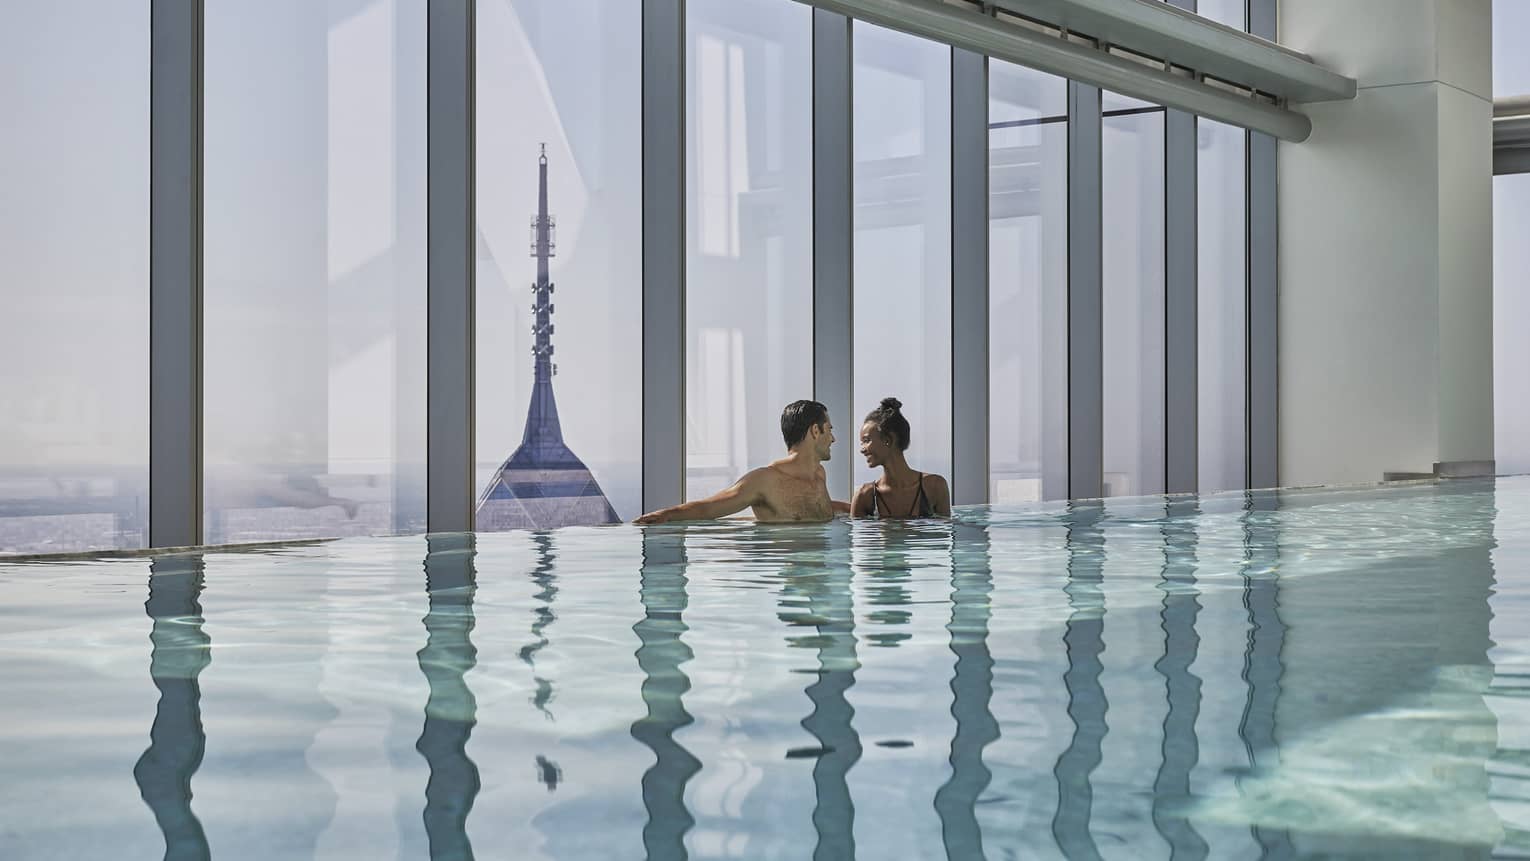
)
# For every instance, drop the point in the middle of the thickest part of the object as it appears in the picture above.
(901, 492)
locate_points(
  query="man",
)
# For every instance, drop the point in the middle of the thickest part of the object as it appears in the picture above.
(790, 490)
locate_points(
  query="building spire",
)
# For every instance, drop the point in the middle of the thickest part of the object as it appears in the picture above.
(542, 423)
(543, 484)
(543, 247)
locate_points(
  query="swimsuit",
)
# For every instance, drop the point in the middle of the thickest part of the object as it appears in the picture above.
(920, 508)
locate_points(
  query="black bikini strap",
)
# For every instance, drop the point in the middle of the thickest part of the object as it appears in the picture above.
(918, 497)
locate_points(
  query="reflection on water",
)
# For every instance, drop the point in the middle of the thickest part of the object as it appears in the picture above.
(180, 652)
(972, 692)
(1262, 666)
(1087, 705)
(662, 585)
(1265, 675)
(451, 712)
(821, 593)
(1182, 688)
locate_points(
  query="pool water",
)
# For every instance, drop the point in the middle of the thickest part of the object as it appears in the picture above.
(1323, 673)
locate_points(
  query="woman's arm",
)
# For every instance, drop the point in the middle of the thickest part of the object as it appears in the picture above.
(939, 492)
(860, 504)
(744, 493)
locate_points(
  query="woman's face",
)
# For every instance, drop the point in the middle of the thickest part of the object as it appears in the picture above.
(874, 446)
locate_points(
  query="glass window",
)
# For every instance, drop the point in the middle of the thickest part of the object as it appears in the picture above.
(1027, 283)
(902, 130)
(74, 275)
(749, 277)
(1511, 317)
(314, 309)
(1221, 320)
(1233, 13)
(1511, 62)
(1133, 297)
(559, 379)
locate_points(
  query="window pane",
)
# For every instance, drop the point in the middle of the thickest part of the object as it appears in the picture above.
(1220, 319)
(314, 268)
(560, 386)
(74, 275)
(1233, 13)
(1027, 284)
(1133, 303)
(1511, 317)
(1511, 62)
(1114, 103)
(902, 131)
(749, 277)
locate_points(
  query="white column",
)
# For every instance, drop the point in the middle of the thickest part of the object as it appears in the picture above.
(1386, 245)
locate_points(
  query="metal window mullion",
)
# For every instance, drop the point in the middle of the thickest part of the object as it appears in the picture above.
(1086, 423)
(1263, 288)
(175, 273)
(663, 253)
(1181, 311)
(1181, 298)
(450, 282)
(833, 231)
(969, 277)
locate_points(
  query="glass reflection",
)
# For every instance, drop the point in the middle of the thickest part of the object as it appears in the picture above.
(1027, 284)
(451, 712)
(315, 231)
(1132, 302)
(1511, 314)
(74, 275)
(1221, 307)
(749, 214)
(662, 588)
(181, 651)
(901, 136)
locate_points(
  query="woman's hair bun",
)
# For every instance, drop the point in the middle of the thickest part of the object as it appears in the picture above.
(892, 404)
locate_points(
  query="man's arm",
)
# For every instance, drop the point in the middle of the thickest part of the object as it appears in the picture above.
(744, 493)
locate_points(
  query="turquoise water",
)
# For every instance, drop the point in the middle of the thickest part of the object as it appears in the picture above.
(1270, 675)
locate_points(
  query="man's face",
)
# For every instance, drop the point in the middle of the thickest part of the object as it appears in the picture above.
(822, 437)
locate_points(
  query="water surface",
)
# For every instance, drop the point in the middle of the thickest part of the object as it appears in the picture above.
(1335, 673)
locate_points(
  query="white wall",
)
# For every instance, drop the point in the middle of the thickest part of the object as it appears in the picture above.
(1385, 232)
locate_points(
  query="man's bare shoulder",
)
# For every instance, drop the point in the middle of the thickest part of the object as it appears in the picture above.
(758, 476)
(776, 470)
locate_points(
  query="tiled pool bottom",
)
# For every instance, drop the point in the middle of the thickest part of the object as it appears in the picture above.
(1271, 675)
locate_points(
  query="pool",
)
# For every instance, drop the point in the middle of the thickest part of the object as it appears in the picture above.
(1335, 673)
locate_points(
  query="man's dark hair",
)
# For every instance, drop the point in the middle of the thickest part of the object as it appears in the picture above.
(799, 417)
(889, 421)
